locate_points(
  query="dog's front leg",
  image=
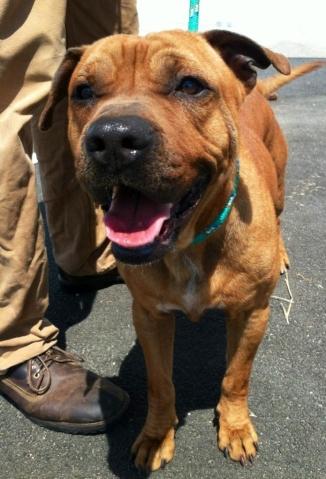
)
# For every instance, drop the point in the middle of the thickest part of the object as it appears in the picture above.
(155, 446)
(236, 434)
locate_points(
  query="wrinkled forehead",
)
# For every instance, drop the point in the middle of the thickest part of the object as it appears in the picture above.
(156, 55)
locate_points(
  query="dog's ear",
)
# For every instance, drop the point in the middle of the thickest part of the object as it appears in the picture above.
(242, 54)
(59, 88)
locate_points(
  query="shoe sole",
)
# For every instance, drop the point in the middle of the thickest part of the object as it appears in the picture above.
(74, 428)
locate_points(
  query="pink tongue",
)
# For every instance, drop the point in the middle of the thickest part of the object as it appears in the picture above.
(133, 220)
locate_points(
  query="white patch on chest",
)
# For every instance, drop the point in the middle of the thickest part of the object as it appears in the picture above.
(167, 307)
(190, 296)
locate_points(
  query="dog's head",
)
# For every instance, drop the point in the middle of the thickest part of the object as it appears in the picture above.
(153, 128)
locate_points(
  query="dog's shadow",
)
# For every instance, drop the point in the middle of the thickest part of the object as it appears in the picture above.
(199, 365)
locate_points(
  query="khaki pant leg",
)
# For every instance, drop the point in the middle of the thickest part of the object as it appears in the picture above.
(32, 42)
(76, 227)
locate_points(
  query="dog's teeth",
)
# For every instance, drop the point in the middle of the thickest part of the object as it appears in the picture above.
(114, 191)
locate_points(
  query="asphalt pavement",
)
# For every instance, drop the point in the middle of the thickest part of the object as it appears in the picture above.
(288, 386)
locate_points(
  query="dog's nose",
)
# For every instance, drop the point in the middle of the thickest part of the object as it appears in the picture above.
(118, 141)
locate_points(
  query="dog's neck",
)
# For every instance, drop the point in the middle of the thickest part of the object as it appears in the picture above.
(223, 214)
(213, 206)
(205, 254)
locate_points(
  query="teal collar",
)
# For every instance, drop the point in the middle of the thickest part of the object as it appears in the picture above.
(223, 215)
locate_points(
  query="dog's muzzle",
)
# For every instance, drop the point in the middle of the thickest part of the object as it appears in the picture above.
(144, 212)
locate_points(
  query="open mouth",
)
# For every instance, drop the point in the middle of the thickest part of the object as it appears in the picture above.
(143, 230)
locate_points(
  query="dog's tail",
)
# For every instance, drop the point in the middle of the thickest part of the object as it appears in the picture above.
(269, 86)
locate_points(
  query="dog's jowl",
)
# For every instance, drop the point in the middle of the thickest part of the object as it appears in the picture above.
(173, 135)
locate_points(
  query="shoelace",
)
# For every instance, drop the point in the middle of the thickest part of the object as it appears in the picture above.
(42, 374)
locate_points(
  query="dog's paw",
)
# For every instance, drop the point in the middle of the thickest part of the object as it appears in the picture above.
(284, 258)
(151, 453)
(239, 443)
(285, 263)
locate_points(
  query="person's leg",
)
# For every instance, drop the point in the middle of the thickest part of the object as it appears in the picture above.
(35, 375)
(76, 227)
(24, 81)
(24, 332)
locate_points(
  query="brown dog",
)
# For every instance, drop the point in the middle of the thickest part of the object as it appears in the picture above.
(159, 127)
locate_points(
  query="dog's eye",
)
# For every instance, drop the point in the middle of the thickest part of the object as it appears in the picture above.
(190, 86)
(83, 92)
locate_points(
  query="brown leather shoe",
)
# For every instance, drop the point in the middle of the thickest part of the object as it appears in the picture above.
(55, 391)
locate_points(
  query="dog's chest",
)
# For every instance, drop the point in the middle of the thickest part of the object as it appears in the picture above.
(186, 291)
